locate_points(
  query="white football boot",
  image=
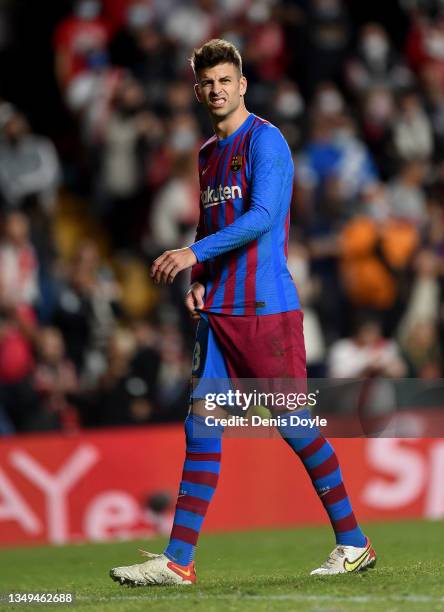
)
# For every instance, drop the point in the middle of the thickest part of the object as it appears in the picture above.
(346, 559)
(158, 570)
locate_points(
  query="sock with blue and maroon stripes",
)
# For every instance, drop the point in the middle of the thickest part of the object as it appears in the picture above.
(199, 479)
(321, 463)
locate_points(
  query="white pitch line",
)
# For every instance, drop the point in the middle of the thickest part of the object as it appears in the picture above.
(283, 597)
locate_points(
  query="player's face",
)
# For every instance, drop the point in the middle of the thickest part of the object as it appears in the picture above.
(220, 89)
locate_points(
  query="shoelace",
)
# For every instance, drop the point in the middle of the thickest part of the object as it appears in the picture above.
(150, 555)
(334, 556)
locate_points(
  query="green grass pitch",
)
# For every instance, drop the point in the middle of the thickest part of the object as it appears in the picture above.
(254, 571)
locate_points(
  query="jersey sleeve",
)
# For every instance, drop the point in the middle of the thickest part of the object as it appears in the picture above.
(270, 175)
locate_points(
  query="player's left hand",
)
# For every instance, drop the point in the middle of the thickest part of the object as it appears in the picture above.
(166, 267)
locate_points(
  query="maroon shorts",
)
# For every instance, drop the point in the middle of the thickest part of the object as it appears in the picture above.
(264, 346)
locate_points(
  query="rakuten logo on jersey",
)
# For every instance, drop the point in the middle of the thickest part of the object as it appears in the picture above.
(211, 197)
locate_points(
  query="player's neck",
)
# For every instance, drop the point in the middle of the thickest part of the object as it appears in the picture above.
(230, 124)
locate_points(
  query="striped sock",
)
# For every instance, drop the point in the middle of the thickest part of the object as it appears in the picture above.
(321, 463)
(199, 479)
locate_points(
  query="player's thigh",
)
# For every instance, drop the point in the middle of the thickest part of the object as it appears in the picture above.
(198, 406)
(209, 372)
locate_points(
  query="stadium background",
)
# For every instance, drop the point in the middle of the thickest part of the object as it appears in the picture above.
(99, 133)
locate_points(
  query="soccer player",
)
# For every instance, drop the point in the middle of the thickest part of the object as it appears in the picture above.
(250, 320)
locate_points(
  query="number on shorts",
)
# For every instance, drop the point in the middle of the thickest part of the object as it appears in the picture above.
(196, 357)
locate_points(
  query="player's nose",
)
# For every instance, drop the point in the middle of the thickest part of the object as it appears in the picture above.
(216, 89)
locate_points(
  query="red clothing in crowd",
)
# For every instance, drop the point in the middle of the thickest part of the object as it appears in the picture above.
(75, 38)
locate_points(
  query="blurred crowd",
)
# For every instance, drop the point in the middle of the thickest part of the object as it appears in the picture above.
(86, 340)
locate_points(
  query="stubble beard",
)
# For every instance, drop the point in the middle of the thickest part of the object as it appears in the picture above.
(225, 114)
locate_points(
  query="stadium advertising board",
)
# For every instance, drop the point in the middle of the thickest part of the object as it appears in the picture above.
(93, 486)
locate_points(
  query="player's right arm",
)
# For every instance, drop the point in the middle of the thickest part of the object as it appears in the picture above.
(198, 273)
(194, 298)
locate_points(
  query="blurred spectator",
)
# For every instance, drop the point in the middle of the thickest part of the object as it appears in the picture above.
(433, 88)
(191, 24)
(146, 361)
(17, 397)
(54, 381)
(123, 397)
(376, 64)
(76, 38)
(17, 328)
(374, 203)
(181, 138)
(366, 353)
(373, 256)
(368, 361)
(85, 312)
(378, 114)
(329, 30)
(90, 97)
(125, 47)
(424, 301)
(316, 165)
(126, 139)
(422, 351)
(142, 49)
(183, 134)
(334, 165)
(179, 98)
(425, 42)
(29, 166)
(174, 213)
(328, 102)
(355, 168)
(308, 290)
(18, 263)
(173, 381)
(413, 136)
(289, 112)
(405, 194)
(435, 238)
(137, 293)
(264, 53)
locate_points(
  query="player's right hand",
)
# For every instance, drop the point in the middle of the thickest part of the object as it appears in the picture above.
(194, 299)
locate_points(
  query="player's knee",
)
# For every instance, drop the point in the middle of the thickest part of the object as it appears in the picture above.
(297, 430)
(198, 407)
(201, 436)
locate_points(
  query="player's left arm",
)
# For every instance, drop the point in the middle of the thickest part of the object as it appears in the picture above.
(271, 175)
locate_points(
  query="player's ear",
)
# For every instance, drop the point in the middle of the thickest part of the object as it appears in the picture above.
(243, 85)
(197, 92)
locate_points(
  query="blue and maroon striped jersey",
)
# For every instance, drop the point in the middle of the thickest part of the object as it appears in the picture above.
(246, 183)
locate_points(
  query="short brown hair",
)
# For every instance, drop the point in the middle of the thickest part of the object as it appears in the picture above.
(215, 51)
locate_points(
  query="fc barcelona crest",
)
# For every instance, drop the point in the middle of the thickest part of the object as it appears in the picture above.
(236, 163)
